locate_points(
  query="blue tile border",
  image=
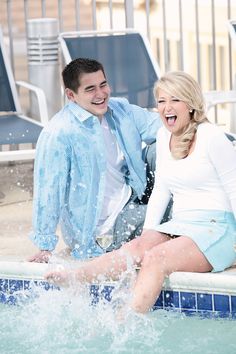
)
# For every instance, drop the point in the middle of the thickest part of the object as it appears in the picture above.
(191, 303)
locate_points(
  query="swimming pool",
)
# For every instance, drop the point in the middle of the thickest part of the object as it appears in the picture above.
(56, 325)
(54, 321)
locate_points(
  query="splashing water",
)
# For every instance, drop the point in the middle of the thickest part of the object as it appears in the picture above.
(64, 322)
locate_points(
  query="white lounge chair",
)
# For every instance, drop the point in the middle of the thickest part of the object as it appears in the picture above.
(15, 127)
(214, 98)
(127, 59)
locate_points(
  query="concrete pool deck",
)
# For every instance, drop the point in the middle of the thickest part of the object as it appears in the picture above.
(16, 187)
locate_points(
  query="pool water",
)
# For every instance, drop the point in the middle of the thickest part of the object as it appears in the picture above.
(62, 322)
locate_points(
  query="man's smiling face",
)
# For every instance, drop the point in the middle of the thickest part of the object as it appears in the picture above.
(93, 93)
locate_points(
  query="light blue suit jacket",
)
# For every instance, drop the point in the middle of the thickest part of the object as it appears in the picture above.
(70, 169)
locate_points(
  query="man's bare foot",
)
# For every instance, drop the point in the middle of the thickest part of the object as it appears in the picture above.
(61, 278)
(40, 257)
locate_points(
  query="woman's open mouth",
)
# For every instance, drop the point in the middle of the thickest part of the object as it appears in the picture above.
(171, 118)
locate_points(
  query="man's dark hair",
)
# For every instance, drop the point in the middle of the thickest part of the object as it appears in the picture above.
(73, 71)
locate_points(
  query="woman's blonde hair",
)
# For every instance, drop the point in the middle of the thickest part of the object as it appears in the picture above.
(183, 86)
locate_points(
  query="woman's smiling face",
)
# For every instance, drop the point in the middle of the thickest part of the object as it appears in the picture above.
(174, 112)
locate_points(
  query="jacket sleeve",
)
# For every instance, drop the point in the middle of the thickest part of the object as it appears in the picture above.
(51, 175)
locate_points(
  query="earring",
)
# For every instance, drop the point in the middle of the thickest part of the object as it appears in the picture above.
(190, 111)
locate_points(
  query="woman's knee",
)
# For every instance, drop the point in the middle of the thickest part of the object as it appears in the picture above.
(136, 248)
(156, 258)
(137, 245)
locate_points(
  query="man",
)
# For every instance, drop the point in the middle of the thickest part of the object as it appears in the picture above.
(89, 173)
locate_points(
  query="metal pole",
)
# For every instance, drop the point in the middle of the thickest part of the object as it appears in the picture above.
(43, 5)
(94, 14)
(230, 49)
(26, 16)
(147, 17)
(129, 13)
(166, 58)
(214, 53)
(110, 14)
(77, 14)
(60, 15)
(213, 43)
(198, 43)
(9, 23)
(181, 36)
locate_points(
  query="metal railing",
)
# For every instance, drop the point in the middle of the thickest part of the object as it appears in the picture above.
(188, 35)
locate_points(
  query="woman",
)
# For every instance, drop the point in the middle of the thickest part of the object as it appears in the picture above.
(197, 167)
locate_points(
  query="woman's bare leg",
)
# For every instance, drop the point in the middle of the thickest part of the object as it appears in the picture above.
(179, 254)
(112, 264)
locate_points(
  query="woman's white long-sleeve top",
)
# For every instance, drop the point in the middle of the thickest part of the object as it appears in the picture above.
(204, 180)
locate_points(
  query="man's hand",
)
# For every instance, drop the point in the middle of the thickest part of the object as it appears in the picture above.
(41, 257)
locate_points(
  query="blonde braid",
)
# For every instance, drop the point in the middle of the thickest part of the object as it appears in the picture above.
(182, 147)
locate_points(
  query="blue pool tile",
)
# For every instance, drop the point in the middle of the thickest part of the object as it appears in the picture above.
(159, 302)
(45, 285)
(29, 289)
(171, 298)
(94, 293)
(233, 304)
(4, 288)
(188, 300)
(11, 300)
(4, 283)
(204, 302)
(27, 284)
(221, 303)
(106, 292)
(100, 292)
(15, 285)
(94, 290)
(2, 297)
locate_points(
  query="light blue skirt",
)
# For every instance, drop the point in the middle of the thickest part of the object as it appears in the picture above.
(213, 231)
